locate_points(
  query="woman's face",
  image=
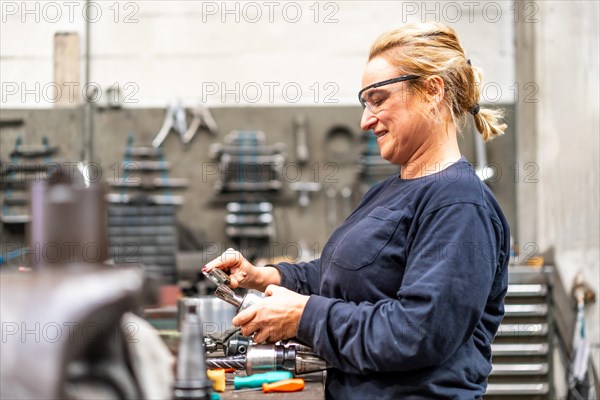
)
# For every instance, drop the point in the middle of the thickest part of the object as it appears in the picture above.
(399, 122)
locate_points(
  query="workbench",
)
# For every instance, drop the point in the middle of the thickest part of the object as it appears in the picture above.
(313, 390)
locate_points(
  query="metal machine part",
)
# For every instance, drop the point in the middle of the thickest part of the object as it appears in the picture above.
(304, 188)
(238, 345)
(218, 277)
(191, 380)
(28, 163)
(249, 219)
(65, 198)
(142, 211)
(241, 302)
(247, 164)
(262, 207)
(235, 362)
(293, 357)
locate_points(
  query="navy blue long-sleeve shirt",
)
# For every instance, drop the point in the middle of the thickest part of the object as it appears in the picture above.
(409, 291)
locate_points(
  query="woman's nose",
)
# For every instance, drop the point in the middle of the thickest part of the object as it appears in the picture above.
(367, 120)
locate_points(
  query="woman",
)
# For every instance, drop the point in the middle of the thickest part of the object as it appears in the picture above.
(409, 291)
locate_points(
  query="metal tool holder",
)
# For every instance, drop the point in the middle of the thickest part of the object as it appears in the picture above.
(141, 215)
(251, 172)
(282, 356)
(28, 163)
(247, 164)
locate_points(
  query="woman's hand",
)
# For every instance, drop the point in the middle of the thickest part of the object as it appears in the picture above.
(275, 318)
(242, 273)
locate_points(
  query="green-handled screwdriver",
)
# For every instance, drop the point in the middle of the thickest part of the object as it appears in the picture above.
(256, 380)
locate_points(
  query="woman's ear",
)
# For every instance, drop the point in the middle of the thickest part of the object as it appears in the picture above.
(435, 89)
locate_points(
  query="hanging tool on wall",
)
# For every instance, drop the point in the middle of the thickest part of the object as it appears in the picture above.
(303, 189)
(301, 138)
(248, 164)
(202, 118)
(174, 120)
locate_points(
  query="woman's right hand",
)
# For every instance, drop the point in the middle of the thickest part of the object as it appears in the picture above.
(241, 272)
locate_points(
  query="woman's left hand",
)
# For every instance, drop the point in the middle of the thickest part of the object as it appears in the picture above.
(275, 318)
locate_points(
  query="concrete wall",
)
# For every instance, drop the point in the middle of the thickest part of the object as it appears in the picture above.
(559, 145)
(203, 212)
(233, 53)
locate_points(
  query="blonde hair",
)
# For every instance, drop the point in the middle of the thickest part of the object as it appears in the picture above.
(428, 49)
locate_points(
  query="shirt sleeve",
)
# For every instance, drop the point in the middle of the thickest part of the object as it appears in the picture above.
(303, 278)
(450, 268)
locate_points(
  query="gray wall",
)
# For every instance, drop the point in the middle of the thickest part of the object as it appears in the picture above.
(203, 214)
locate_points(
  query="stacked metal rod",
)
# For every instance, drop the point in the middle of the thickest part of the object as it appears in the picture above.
(141, 216)
(28, 163)
(251, 174)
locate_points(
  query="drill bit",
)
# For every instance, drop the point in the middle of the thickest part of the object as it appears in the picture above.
(237, 362)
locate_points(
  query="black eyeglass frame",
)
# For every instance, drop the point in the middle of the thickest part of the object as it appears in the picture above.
(383, 83)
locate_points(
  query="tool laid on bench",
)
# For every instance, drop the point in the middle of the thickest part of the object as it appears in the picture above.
(291, 356)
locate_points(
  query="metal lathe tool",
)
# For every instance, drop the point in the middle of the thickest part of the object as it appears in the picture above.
(224, 292)
(296, 358)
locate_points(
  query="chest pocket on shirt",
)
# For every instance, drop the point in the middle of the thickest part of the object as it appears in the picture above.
(361, 245)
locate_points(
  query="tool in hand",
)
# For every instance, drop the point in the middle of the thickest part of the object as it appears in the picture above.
(224, 292)
(241, 302)
(218, 277)
(257, 380)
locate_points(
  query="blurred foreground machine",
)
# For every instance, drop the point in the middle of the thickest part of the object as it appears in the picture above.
(67, 327)
(62, 334)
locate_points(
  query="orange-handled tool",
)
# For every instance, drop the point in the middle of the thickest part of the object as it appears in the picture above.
(286, 385)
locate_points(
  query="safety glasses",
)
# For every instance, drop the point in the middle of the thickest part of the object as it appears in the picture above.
(374, 99)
